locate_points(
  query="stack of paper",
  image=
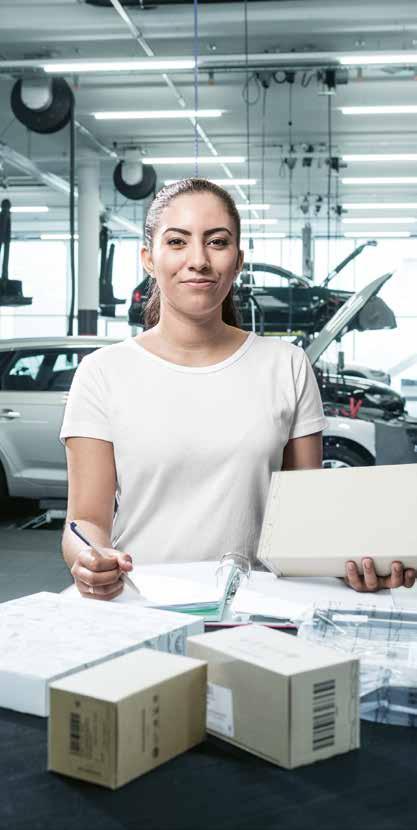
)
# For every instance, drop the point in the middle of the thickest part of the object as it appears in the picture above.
(197, 588)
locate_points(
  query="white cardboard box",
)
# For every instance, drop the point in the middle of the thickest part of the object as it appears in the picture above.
(45, 636)
(315, 520)
(120, 719)
(284, 699)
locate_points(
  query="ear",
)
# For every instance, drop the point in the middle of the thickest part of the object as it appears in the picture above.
(239, 263)
(146, 260)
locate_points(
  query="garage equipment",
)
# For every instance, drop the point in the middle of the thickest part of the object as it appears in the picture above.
(11, 291)
(107, 299)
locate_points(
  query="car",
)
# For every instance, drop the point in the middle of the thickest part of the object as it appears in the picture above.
(300, 309)
(359, 397)
(368, 422)
(36, 374)
(297, 309)
(354, 370)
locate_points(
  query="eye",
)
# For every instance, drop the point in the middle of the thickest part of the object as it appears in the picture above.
(219, 243)
(175, 241)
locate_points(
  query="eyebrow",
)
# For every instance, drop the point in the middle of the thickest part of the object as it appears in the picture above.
(206, 233)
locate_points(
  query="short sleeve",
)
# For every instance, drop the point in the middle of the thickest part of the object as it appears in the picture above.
(86, 412)
(308, 415)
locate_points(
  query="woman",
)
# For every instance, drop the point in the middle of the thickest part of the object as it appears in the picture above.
(185, 423)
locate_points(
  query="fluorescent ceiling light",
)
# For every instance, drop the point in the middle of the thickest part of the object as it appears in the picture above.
(221, 182)
(193, 159)
(382, 180)
(374, 234)
(405, 58)
(261, 235)
(381, 157)
(394, 110)
(258, 221)
(29, 209)
(386, 220)
(253, 207)
(145, 65)
(142, 114)
(56, 236)
(380, 205)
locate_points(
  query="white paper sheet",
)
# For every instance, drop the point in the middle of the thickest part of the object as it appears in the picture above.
(171, 590)
(180, 583)
(293, 597)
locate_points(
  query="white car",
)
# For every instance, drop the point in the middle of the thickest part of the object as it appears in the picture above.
(35, 376)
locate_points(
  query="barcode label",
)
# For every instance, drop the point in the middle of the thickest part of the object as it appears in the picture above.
(324, 714)
(75, 729)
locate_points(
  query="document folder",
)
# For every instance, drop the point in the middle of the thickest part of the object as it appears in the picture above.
(203, 591)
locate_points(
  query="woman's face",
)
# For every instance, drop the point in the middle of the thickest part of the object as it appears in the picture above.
(194, 257)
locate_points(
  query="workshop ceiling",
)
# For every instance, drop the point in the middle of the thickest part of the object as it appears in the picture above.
(313, 35)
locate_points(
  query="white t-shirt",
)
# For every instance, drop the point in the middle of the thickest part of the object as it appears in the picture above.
(194, 446)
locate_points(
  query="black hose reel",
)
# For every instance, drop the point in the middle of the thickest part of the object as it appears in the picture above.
(133, 179)
(42, 106)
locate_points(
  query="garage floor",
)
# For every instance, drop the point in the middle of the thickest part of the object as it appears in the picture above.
(30, 560)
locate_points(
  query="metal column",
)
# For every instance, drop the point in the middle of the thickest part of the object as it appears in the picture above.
(88, 243)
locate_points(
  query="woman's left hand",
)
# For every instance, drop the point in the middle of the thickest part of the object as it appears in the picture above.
(399, 577)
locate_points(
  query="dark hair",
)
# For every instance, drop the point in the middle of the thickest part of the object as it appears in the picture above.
(164, 197)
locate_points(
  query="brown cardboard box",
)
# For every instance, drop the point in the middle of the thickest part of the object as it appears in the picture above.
(285, 699)
(120, 719)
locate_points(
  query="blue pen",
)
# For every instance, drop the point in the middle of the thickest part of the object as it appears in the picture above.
(74, 528)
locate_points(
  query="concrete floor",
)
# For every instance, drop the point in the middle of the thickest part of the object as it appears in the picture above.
(30, 560)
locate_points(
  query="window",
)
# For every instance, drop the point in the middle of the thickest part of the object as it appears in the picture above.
(48, 371)
(63, 369)
(25, 373)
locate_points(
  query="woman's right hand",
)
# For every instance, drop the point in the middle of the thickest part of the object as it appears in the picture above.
(98, 572)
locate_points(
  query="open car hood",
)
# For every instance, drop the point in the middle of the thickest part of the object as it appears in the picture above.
(363, 311)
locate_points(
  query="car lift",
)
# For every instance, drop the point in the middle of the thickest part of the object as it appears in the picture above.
(53, 509)
(11, 293)
(107, 299)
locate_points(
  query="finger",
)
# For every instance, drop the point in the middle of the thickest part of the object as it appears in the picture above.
(100, 591)
(124, 561)
(104, 597)
(369, 575)
(409, 577)
(352, 577)
(95, 561)
(397, 574)
(96, 577)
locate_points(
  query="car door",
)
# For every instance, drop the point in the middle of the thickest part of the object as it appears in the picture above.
(33, 393)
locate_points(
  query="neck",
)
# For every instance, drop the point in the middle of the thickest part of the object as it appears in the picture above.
(188, 335)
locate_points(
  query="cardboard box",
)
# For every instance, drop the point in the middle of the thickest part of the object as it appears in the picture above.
(115, 721)
(46, 636)
(315, 520)
(286, 700)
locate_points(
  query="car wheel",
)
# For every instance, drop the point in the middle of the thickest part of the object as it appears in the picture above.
(341, 456)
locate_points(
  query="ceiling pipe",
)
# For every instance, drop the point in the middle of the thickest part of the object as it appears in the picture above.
(59, 184)
(262, 60)
(142, 43)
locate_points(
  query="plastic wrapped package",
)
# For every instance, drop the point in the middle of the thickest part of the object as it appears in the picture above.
(386, 643)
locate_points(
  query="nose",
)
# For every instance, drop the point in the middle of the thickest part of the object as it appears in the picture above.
(198, 257)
